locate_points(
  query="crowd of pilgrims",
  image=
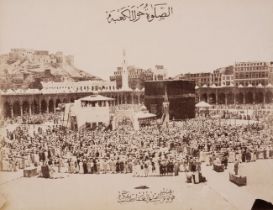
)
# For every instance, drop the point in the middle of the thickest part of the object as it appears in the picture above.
(34, 119)
(238, 111)
(151, 151)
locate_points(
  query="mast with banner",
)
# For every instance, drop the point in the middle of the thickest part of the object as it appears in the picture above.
(165, 106)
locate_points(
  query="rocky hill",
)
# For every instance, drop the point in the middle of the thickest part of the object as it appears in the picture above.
(23, 68)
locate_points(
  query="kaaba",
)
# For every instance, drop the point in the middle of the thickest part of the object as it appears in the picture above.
(179, 93)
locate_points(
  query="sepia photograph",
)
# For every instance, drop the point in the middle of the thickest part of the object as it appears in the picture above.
(136, 105)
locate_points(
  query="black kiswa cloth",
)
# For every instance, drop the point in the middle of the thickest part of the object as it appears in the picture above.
(260, 204)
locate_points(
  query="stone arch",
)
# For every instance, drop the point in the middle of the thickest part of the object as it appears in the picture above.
(221, 98)
(7, 109)
(115, 100)
(230, 98)
(259, 97)
(268, 97)
(16, 108)
(204, 97)
(35, 107)
(212, 98)
(58, 101)
(135, 99)
(51, 105)
(239, 98)
(196, 98)
(249, 98)
(142, 98)
(25, 107)
(43, 106)
(120, 99)
(128, 99)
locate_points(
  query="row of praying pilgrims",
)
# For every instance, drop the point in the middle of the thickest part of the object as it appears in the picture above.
(147, 152)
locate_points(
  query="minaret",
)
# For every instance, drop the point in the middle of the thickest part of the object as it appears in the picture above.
(124, 73)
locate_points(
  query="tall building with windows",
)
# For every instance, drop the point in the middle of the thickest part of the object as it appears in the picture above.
(240, 74)
(136, 76)
(159, 72)
(227, 76)
(200, 79)
(252, 73)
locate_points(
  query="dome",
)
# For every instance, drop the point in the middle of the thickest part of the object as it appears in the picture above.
(143, 108)
(240, 86)
(10, 91)
(205, 86)
(269, 85)
(213, 86)
(19, 91)
(31, 91)
(36, 91)
(260, 85)
(196, 87)
(249, 85)
(28, 91)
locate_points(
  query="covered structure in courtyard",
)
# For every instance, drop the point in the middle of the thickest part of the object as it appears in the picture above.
(135, 115)
(88, 112)
(202, 108)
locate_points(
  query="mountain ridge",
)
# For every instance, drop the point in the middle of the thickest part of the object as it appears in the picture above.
(23, 67)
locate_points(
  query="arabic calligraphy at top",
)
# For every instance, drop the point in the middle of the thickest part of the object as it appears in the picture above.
(134, 13)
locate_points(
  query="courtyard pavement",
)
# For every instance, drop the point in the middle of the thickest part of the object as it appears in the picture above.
(97, 192)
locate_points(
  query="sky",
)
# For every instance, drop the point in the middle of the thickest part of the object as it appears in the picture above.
(199, 36)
